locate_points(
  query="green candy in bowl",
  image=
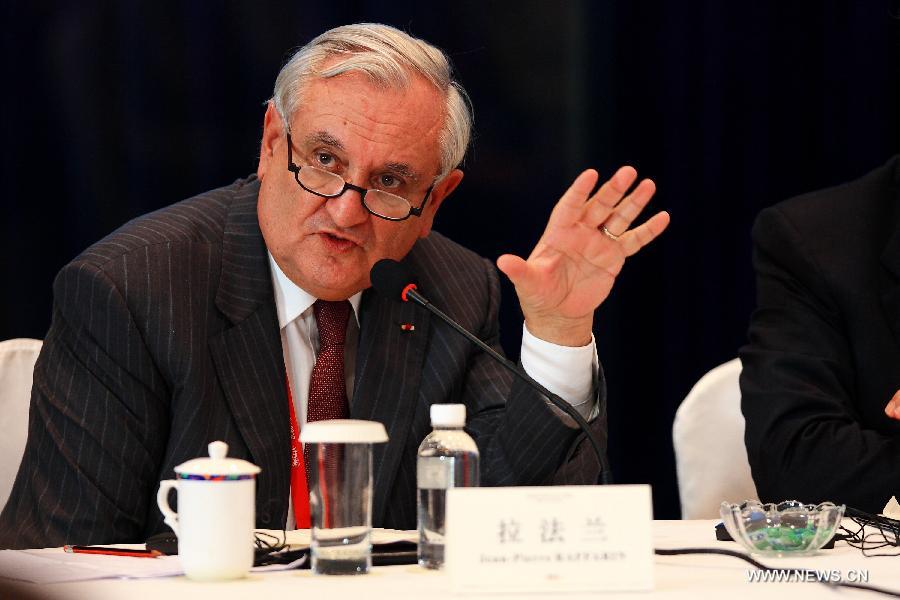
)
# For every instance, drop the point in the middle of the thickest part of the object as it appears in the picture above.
(789, 528)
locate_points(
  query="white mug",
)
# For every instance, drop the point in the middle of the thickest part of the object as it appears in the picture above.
(216, 514)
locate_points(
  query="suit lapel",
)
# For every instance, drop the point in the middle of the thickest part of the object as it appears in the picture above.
(388, 374)
(248, 356)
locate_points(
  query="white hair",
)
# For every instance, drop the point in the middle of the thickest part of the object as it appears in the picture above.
(388, 56)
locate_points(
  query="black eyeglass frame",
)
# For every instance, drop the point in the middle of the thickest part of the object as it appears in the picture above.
(413, 211)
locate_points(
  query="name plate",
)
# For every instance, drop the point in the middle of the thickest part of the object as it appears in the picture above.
(549, 539)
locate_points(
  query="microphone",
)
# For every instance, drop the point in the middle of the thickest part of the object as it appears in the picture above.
(395, 281)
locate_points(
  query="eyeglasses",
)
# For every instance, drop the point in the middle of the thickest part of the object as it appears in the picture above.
(326, 184)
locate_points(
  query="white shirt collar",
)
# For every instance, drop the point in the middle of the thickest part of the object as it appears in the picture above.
(291, 301)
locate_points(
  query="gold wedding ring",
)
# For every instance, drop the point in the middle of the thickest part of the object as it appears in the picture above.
(608, 233)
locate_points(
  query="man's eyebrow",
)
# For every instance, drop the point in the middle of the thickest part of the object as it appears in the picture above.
(403, 170)
(323, 137)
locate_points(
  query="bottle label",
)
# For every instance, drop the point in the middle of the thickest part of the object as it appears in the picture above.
(435, 472)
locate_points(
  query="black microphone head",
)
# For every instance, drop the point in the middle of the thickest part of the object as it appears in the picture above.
(391, 278)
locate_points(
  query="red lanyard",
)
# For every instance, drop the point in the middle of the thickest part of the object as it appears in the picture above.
(299, 489)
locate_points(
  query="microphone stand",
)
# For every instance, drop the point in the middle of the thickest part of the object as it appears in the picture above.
(605, 475)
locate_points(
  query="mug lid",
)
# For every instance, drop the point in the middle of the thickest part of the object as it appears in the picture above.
(343, 431)
(217, 463)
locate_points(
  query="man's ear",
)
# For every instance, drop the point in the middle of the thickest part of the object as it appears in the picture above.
(273, 131)
(441, 190)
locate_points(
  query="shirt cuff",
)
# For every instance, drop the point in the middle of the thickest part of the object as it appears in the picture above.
(569, 372)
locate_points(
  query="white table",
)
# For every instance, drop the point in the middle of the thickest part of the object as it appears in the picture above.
(681, 577)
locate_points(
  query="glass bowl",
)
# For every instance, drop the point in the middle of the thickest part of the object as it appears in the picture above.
(789, 528)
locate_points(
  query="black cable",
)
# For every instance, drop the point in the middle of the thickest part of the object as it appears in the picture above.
(270, 549)
(886, 534)
(762, 567)
(734, 553)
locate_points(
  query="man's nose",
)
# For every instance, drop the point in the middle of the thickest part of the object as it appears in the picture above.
(347, 209)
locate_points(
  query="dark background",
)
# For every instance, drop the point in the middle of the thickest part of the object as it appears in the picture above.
(113, 109)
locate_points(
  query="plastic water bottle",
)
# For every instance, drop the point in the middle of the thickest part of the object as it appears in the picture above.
(447, 458)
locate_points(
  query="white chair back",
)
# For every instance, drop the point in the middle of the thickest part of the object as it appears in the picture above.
(17, 359)
(708, 434)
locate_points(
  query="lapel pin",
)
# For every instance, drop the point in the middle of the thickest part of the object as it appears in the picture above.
(407, 327)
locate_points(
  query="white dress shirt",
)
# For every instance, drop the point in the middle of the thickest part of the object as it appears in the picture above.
(568, 372)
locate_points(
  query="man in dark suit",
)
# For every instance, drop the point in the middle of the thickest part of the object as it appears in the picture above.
(821, 375)
(192, 323)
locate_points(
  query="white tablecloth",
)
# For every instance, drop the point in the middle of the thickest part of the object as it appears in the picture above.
(681, 577)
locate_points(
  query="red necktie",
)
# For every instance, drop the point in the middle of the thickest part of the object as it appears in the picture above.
(327, 389)
(327, 395)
